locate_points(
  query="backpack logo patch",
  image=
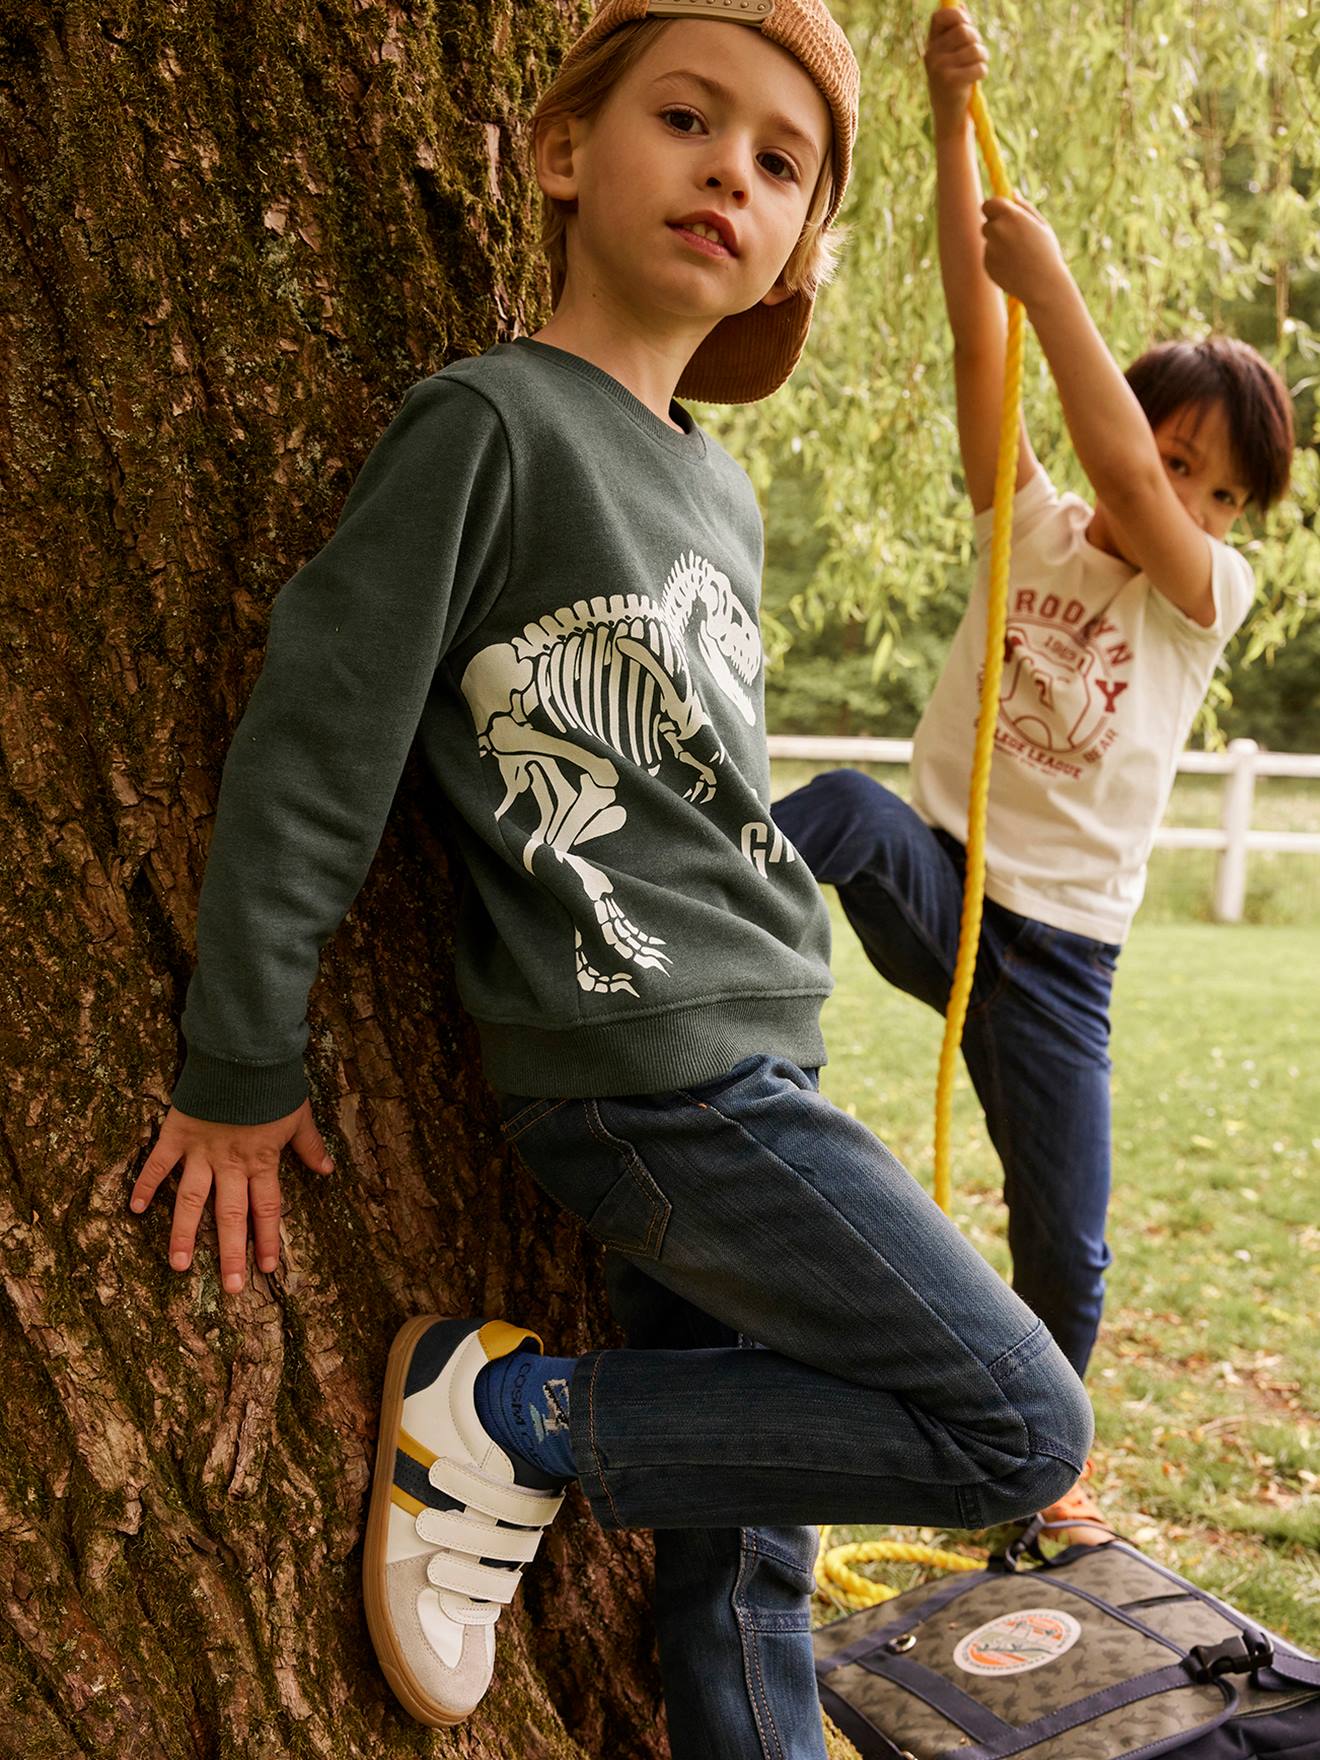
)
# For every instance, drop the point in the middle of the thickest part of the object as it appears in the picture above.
(1016, 1642)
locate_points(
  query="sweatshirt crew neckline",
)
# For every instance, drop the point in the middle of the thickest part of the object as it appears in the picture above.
(689, 444)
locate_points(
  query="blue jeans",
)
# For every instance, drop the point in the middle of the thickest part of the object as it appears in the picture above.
(1036, 1043)
(809, 1340)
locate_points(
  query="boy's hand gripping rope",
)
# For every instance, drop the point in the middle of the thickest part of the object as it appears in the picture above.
(835, 1577)
(996, 617)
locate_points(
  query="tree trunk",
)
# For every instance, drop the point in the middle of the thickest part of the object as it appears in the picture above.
(230, 238)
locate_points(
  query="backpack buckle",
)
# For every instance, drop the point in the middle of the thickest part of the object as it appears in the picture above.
(1243, 1653)
(1026, 1543)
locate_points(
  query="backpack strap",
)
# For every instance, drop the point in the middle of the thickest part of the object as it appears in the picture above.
(988, 1732)
(1111, 1698)
(874, 1637)
(1288, 1670)
(865, 1736)
(1276, 1665)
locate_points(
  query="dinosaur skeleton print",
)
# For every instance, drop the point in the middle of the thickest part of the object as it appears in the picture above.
(614, 669)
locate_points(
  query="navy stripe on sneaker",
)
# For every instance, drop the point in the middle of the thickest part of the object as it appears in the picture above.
(411, 1477)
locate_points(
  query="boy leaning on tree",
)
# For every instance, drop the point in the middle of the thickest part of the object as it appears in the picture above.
(549, 576)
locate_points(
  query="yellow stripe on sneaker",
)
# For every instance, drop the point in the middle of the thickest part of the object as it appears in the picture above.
(413, 1507)
(499, 1337)
(417, 1451)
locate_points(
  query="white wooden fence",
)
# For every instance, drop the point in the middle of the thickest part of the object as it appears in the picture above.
(1234, 838)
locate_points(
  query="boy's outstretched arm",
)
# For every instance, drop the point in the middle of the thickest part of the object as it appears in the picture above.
(354, 642)
(955, 61)
(1114, 442)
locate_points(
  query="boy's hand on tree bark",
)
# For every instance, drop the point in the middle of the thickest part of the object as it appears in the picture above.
(243, 1161)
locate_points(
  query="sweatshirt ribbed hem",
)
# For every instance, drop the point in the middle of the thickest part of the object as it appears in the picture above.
(239, 1093)
(654, 1055)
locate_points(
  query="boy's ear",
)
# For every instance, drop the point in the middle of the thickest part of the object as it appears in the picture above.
(555, 170)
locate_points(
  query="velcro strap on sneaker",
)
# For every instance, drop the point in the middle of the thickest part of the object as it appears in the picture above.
(496, 1497)
(449, 1527)
(487, 1582)
(468, 1612)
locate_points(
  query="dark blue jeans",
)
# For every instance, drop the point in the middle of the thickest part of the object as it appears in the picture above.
(1036, 1042)
(810, 1340)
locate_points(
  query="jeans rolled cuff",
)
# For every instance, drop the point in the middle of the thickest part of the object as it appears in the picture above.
(582, 1435)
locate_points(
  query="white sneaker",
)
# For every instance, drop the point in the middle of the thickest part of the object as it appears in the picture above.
(449, 1529)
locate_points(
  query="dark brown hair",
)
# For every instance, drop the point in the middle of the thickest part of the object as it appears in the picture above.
(1257, 408)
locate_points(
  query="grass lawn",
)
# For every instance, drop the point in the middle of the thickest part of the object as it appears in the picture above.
(1206, 1380)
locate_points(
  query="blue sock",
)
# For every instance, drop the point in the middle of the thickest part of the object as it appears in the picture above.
(522, 1401)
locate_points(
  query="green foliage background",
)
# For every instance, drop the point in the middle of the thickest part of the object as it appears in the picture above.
(1174, 146)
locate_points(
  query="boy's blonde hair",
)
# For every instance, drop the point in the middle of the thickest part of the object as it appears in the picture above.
(581, 90)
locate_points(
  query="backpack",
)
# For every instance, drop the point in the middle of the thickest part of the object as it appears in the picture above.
(1096, 1654)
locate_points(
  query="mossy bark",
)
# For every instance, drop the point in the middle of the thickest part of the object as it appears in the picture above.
(230, 238)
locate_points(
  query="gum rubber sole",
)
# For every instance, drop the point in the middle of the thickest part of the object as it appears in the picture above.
(396, 1671)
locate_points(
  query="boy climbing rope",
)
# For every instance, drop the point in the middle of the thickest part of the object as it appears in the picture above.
(549, 574)
(1117, 616)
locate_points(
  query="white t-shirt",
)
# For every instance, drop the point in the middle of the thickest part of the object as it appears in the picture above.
(1102, 678)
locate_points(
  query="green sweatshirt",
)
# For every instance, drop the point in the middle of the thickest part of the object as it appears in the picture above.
(555, 594)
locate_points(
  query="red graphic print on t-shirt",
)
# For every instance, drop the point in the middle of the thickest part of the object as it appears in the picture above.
(1062, 681)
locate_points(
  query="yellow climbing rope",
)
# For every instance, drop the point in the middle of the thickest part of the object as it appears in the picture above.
(836, 1579)
(996, 615)
(838, 1582)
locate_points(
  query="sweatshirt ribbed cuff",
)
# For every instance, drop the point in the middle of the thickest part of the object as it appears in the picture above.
(239, 1093)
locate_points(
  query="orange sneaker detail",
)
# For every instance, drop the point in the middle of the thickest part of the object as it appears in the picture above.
(1084, 1522)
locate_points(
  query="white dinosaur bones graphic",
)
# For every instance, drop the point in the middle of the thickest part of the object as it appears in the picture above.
(616, 671)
